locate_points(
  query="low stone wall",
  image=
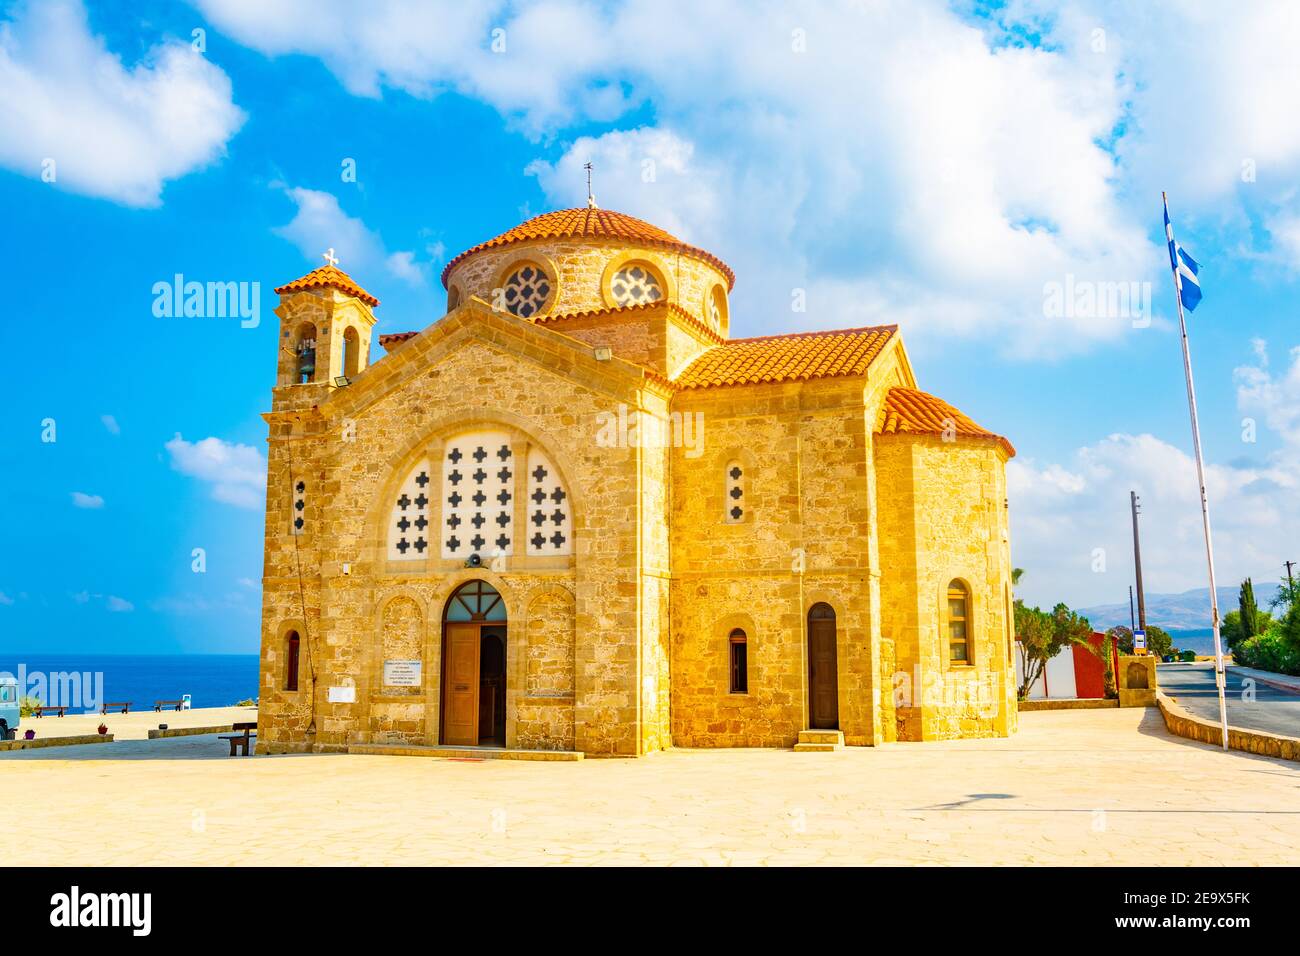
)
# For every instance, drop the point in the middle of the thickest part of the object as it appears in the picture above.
(155, 734)
(1072, 703)
(1180, 722)
(39, 742)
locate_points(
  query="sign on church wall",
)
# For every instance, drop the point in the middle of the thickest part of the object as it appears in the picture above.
(402, 673)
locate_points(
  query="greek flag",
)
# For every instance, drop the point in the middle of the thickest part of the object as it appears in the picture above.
(1185, 268)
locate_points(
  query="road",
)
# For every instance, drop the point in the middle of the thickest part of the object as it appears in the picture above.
(1272, 710)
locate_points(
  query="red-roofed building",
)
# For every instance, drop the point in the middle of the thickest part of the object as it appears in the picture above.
(574, 513)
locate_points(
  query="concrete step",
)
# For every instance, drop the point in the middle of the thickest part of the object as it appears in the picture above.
(817, 741)
(821, 737)
(462, 753)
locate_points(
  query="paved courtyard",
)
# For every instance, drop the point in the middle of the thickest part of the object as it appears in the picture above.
(1083, 787)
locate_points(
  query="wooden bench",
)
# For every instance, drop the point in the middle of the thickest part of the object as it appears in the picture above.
(40, 711)
(158, 705)
(240, 741)
(122, 706)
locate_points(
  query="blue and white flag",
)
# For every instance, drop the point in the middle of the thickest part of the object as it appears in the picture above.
(1185, 268)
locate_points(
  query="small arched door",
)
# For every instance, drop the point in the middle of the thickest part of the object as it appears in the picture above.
(823, 669)
(474, 666)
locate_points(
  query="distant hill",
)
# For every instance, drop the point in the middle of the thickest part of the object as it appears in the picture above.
(1177, 612)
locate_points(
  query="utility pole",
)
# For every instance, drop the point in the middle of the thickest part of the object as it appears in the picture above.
(1131, 622)
(1290, 580)
(1137, 563)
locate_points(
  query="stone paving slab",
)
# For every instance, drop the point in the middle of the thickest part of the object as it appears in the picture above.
(1092, 787)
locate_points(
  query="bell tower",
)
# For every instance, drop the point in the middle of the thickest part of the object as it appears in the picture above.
(325, 328)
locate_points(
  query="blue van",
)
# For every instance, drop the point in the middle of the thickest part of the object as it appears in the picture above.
(8, 707)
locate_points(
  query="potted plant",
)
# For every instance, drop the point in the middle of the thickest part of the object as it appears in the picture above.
(103, 729)
(29, 735)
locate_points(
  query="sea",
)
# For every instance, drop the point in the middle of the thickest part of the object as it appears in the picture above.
(1200, 640)
(87, 680)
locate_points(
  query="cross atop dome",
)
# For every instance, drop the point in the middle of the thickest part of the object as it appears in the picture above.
(329, 257)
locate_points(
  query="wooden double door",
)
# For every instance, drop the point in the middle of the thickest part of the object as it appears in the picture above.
(474, 684)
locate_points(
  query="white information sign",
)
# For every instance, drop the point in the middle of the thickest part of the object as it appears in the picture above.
(402, 673)
(343, 695)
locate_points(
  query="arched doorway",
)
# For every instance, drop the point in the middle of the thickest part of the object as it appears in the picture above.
(823, 669)
(474, 666)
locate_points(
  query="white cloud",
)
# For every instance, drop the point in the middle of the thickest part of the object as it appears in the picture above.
(111, 424)
(191, 605)
(1061, 512)
(914, 163)
(320, 223)
(114, 131)
(112, 602)
(236, 472)
(82, 500)
(1064, 530)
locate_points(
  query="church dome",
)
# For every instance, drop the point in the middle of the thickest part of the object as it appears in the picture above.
(602, 225)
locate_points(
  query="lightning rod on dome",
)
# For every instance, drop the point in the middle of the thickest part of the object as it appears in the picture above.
(591, 200)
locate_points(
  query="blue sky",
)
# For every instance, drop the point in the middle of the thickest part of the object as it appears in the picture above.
(935, 165)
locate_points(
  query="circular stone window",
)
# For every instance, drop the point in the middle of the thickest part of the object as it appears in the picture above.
(526, 291)
(635, 284)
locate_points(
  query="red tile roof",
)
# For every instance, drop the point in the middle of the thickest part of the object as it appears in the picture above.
(908, 410)
(329, 277)
(394, 339)
(780, 358)
(586, 223)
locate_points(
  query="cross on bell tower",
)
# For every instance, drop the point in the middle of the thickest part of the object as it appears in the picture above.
(329, 257)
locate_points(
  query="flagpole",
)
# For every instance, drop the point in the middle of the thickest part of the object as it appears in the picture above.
(1220, 678)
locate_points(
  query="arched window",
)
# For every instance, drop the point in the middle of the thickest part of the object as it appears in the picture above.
(298, 520)
(351, 353)
(733, 505)
(291, 660)
(550, 512)
(717, 308)
(1011, 626)
(409, 533)
(453, 298)
(305, 354)
(636, 283)
(958, 623)
(526, 290)
(476, 601)
(739, 650)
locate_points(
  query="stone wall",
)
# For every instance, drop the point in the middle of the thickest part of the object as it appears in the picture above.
(582, 269)
(943, 518)
(803, 539)
(540, 386)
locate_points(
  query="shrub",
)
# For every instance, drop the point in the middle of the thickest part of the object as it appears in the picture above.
(27, 706)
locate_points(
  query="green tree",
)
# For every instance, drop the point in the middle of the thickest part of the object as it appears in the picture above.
(1122, 637)
(1231, 631)
(1249, 610)
(1159, 642)
(1042, 635)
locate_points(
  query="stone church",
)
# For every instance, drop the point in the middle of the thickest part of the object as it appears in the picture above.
(575, 516)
